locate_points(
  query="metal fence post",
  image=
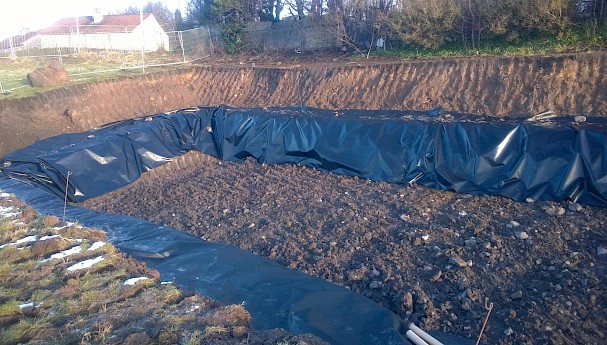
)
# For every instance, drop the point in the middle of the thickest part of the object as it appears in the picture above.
(12, 46)
(180, 35)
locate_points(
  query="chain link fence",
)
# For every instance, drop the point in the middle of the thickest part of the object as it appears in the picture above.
(92, 50)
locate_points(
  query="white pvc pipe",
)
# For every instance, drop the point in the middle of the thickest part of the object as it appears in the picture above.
(415, 339)
(425, 336)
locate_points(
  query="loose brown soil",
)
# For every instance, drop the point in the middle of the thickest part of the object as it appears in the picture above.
(436, 258)
(93, 305)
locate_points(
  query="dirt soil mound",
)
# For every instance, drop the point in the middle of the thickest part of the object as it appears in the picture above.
(433, 257)
(500, 86)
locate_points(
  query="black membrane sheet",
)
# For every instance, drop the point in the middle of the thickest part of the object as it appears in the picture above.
(545, 161)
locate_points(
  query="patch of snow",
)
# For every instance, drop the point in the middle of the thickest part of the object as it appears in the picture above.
(65, 253)
(26, 305)
(5, 212)
(134, 281)
(44, 238)
(27, 239)
(166, 283)
(96, 245)
(4, 195)
(85, 264)
(77, 240)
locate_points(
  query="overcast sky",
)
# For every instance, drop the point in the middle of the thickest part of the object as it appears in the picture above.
(36, 14)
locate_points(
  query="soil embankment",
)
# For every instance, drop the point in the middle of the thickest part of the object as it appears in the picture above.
(501, 86)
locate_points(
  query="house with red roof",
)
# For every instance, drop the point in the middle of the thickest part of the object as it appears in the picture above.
(107, 32)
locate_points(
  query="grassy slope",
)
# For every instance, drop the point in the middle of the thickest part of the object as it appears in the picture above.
(93, 305)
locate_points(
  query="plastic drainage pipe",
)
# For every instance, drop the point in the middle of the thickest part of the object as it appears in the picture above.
(427, 338)
(415, 339)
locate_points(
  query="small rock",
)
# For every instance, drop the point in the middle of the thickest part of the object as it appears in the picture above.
(375, 273)
(404, 217)
(375, 284)
(27, 309)
(470, 243)
(508, 331)
(521, 235)
(436, 276)
(601, 251)
(530, 200)
(458, 261)
(333, 243)
(138, 339)
(575, 207)
(466, 305)
(515, 224)
(580, 118)
(408, 300)
(357, 274)
(516, 295)
(554, 211)
(239, 331)
(417, 242)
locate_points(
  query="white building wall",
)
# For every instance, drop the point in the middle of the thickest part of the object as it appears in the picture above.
(149, 35)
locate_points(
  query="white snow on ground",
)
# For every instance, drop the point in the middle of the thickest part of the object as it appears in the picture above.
(134, 281)
(65, 253)
(85, 264)
(44, 238)
(5, 212)
(26, 305)
(96, 245)
(4, 195)
(166, 283)
(27, 239)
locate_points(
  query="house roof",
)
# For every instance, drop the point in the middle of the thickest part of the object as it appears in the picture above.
(110, 23)
(18, 40)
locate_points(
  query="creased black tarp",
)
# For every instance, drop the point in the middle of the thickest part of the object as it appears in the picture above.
(274, 295)
(556, 160)
(467, 154)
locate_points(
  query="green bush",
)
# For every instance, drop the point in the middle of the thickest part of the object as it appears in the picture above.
(233, 37)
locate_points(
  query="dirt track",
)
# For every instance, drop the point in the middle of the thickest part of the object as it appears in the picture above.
(509, 86)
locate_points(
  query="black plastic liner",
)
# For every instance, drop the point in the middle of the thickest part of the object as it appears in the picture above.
(544, 161)
(555, 160)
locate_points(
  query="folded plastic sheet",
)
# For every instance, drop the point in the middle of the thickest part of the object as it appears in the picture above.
(553, 160)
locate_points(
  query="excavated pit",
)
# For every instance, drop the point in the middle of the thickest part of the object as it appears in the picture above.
(433, 257)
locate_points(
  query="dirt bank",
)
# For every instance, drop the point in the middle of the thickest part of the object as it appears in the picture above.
(433, 257)
(508, 86)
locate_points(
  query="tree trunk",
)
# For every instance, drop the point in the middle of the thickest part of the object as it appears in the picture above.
(300, 8)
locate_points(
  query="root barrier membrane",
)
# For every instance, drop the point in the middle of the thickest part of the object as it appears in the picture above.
(549, 160)
(557, 159)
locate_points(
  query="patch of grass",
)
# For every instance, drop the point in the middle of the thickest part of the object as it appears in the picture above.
(5, 270)
(10, 307)
(192, 339)
(6, 226)
(214, 331)
(40, 295)
(9, 293)
(17, 333)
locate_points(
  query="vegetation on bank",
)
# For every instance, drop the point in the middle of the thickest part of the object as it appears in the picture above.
(61, 283)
